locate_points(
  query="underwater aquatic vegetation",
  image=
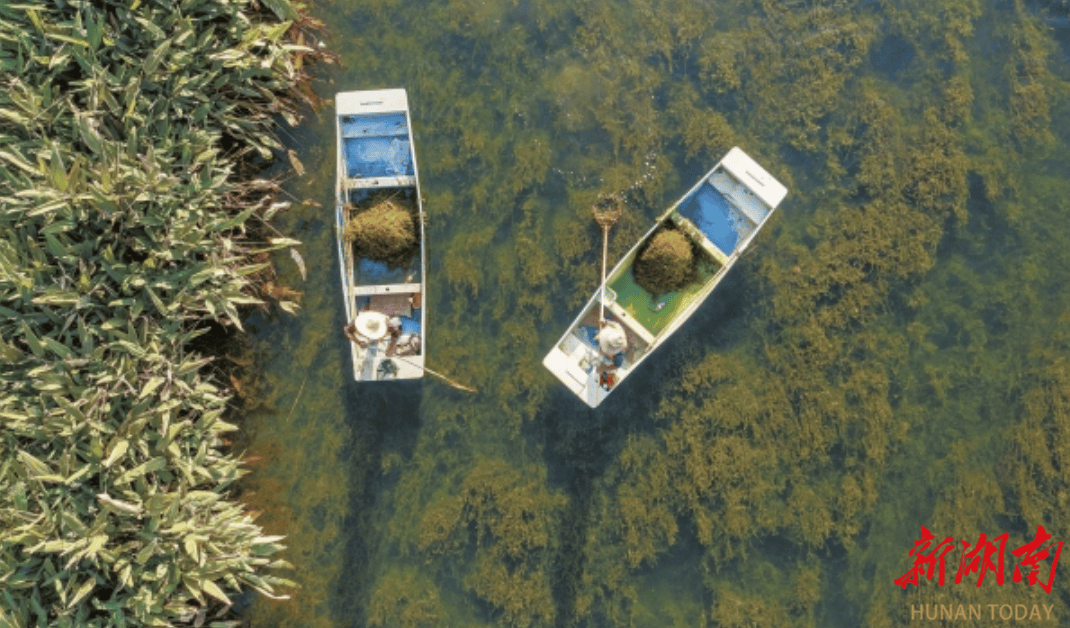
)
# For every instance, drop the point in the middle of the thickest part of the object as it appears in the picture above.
(406, 598)
(504, 524)
(847, 367)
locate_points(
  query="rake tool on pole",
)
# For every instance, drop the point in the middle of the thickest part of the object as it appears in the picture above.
(606, 213)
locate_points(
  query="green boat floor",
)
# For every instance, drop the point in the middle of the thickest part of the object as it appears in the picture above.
(643, 307)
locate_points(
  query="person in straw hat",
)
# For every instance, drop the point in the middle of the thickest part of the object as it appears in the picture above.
(369, 327)
(612, 343)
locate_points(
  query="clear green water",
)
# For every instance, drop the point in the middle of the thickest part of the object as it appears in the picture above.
(895, 351)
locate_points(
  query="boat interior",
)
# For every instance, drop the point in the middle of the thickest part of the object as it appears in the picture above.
(405, 307)
(376, 145)
(580, 342)
(393, 291)
(368, 272)
(718, 216)
(378, 164)
(723, 210)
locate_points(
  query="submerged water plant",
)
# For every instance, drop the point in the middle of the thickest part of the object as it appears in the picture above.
(867, 372)
(130, 137)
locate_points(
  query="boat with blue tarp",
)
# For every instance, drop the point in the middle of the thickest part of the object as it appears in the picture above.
(386, 316)
(624, 322)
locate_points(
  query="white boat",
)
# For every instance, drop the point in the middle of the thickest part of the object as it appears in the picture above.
(720, 216)
(385, 307)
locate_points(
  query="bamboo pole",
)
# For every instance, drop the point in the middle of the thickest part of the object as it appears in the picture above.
(606, 212)
(602, 299)
(449, 381)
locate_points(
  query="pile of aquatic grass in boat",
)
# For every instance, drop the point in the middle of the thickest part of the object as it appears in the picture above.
(124, 234)
(385, 231)
(666, 263)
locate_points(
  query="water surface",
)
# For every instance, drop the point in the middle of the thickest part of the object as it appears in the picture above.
(894, 352)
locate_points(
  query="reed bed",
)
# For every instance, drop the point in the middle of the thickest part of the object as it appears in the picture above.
(131, 217)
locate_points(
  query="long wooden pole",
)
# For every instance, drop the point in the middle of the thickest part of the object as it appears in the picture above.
(602, 300)
(606, 213)
(449, 381)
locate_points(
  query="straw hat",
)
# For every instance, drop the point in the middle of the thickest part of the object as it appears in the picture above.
(612, 339)
(371, 325)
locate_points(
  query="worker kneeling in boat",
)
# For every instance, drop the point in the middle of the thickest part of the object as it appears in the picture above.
(612, 343)
(369, 327)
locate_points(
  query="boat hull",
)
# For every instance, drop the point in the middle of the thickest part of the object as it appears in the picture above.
(376, 160)
(720, 215)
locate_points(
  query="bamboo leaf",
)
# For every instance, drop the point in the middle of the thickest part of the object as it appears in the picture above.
(96, 543)
(119, 505)
(82, 592)
(151, 386)
(69, 408)
(14, 116)
(117, 452)
(194, 587)
(58, 298)
(17, 161)
(190, 545)
(60, 349)
(59, 174)
(226, 225)
(300, 261)
(144, 468)
(77, 475)
(90, 136)
(212, 589)
(68, 39)
(295, 162)
(32, 340)
(35, 466)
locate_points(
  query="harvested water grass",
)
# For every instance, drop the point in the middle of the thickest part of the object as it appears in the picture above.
(667, 262)
(385, 230)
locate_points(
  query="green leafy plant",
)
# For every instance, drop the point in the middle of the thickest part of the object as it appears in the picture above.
(130, 138)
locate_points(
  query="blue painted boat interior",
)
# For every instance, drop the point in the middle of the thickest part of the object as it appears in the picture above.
(711, 212)
(377, 145)
(372, 273)
(380, 125)
(378, 157)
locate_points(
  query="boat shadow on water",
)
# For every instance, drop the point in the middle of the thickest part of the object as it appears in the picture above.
(581, 443)
(384, 420)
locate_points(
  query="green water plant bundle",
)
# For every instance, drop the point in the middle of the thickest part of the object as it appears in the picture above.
(666, 263)
(130, 225)
(385, 232)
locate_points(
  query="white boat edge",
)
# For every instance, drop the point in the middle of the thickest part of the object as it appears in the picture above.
(583, 382)
(363, 103)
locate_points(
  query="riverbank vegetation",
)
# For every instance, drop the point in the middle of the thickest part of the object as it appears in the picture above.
(132, 235)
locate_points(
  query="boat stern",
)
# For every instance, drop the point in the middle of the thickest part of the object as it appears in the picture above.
(568, 367)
